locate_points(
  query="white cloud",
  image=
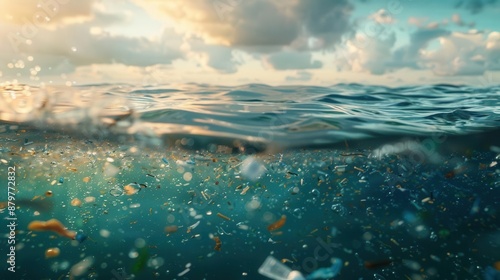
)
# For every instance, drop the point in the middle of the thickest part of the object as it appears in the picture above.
(292, 60)
(470, 53)
(217, 57)
(301, 76)
(367, 54)
(382, 16)
(82, 47)
(456, 53)
(259, 23)
(46, 12)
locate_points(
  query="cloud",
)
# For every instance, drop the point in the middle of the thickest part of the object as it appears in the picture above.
(259, 23)
(454, 54)
(474, 6)
(409, 55)
(367, 54)
(382, 16)
(82, 47)
(418, 22)
(470, 53)
(300, 76)
(325, 19)
(46, 12)
(219, 58)
(292, 60)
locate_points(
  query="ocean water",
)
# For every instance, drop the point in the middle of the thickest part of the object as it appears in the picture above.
(197, 181)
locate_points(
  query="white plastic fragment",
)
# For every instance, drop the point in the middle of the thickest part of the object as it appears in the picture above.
(81, 267)
(183, 272)
(252, 169)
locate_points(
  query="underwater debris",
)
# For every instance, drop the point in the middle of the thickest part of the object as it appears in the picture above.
(274, 269)
(109, 170)
(171, 229)
(131, 189)
(48, 193)
(223, 217)
(80, 237)
(81, 267)
(278, 224)
(252, 169)
(187, 176)
(52, 225)
(376, 264)
(492, 273)
(327, 272)
(244, 191)
(193, 226)
(76, 202)
(141, 261)
(52, 252)
(218, 243)
(116, 192)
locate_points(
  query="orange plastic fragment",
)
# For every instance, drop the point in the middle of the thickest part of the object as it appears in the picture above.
(218, 243)
(278, 224)
(223, 217)
(52, 225)
(52, 252)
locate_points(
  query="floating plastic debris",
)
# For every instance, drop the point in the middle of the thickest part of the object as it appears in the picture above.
(116, 192)
(315, 192)
(131, 189)
(377, 264)
(218, 243)
(52, 252)
(48, 193)
(109, 170)
(182, 273)
(274, 269)
(222, 216)
(52, 225)
(104, 233)
(193, 226)
(340, 168)
(327, 272)
(244, 191)
(252, 169)
(76, 202)
(242, 226)
(492, 273)
(187, 176)
(80, 237)
(278, 224)
(81, 267)
(475, 206)
(171, 229)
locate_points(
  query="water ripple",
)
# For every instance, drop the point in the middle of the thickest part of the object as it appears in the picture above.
(256, 112)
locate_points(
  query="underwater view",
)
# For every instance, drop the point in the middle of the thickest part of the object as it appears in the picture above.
(254, 140)
(121, 182)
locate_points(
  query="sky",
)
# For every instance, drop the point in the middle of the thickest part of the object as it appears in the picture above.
(234, 42)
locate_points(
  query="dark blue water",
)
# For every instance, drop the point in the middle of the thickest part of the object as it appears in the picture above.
(407, 177)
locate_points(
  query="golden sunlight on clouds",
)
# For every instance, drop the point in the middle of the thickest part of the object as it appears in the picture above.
(45, 12)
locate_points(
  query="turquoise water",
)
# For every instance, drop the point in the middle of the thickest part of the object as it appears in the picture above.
(406, 178)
